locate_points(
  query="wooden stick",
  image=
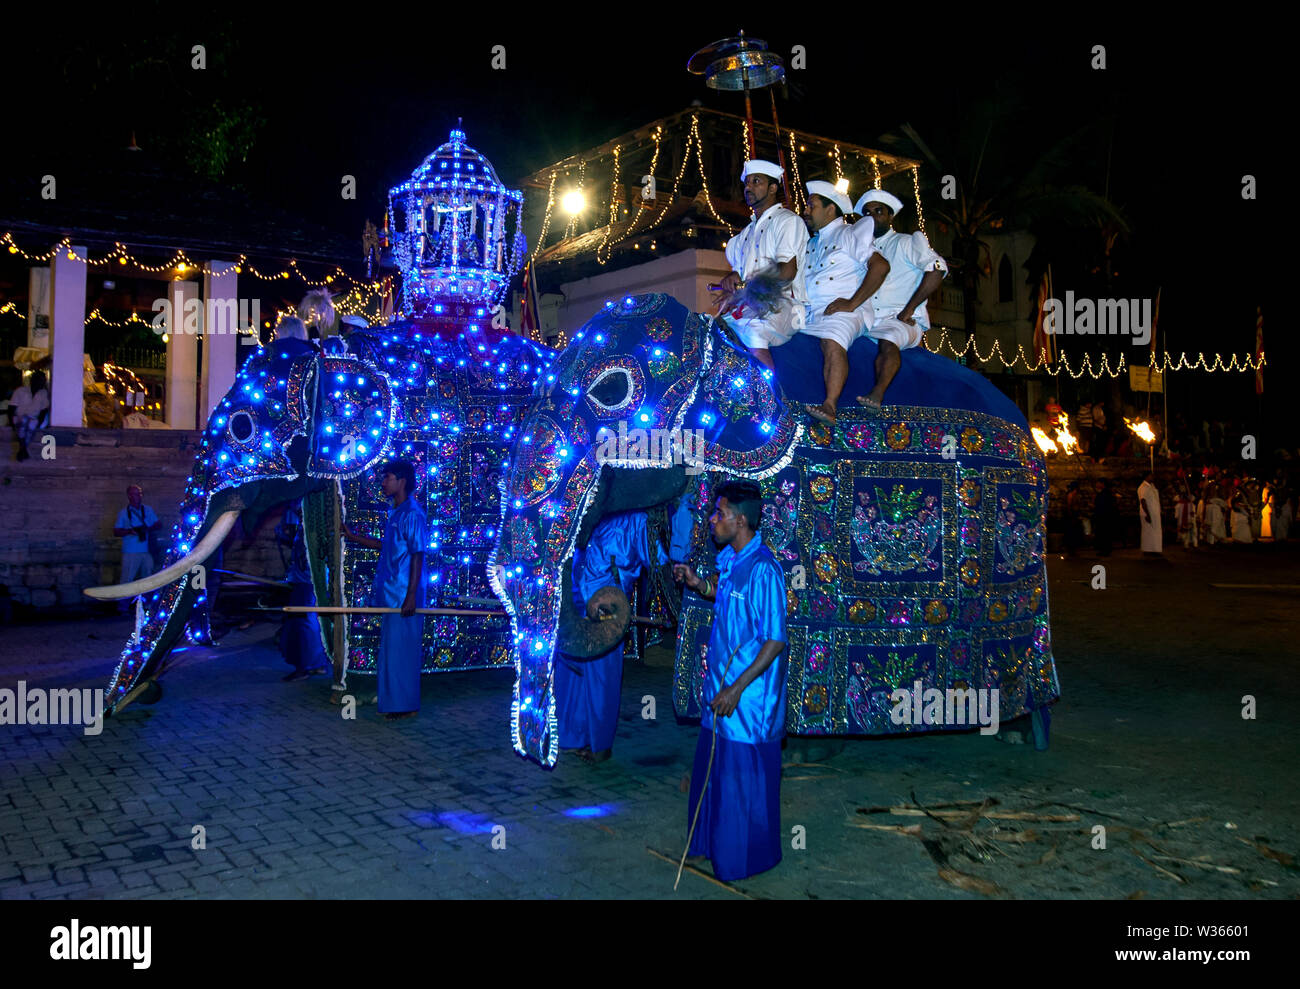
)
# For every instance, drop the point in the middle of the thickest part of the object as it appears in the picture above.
(1199, 865)
(993, 815)
(249, 576)
(702, 875)
(909, 829)
(1172, 875)
(303, 609)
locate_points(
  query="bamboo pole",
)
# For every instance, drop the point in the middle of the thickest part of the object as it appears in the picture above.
(302, 609)
(249, 576)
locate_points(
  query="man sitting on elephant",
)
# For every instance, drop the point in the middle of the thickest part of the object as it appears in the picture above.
(587, 692)
(841, 272)
(916, 270)
(769, 250)
(736, 781)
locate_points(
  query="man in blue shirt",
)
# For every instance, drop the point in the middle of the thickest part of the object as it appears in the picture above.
(133, 525)
(587, 692)
(735, 803)
(399, 583)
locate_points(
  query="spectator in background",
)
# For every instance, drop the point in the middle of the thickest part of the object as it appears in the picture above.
(134, 523)
(31, 406)
(1185, 518)
(1099, 430)
(1216, 515)
(1285, 515)
(1241, 518)
(1104, 517)
(1073, 519)
(1053, 413)
(1149, 515)
(1083, 426)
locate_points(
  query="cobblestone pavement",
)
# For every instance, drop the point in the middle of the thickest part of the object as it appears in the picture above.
(1148, 742)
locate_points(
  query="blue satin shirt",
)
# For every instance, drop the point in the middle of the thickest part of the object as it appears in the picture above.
(749, 610)
(405, 534)
(620, 542)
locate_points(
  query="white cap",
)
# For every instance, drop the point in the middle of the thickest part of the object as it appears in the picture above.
(757, 166)
(879, 196)
(828, 191)
(358, 321)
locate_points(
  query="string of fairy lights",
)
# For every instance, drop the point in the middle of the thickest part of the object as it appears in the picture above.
(651, 213)
(182, 264)
(646, 209)
(1160, 365)
(358, 298)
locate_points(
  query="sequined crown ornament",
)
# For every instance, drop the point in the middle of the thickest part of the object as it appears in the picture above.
(457, 230)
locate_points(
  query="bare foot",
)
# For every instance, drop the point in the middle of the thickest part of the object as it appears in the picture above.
(400, 715)
(871, 402)
(822, 412)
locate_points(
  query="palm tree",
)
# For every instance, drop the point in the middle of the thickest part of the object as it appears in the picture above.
(1007, 183)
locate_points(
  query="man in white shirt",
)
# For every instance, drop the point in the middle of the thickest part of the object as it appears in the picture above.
(772, 244)
(916, 271)
(30, 403)
(841, 271)
(1149, 515)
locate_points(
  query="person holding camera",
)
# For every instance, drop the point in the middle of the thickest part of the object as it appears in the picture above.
(134, 523)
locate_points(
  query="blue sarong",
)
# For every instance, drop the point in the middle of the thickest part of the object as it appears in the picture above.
(587, 692)
(401, 651)
(739, 827)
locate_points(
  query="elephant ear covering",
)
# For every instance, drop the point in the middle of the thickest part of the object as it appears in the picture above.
(749, 431)
(355, 418)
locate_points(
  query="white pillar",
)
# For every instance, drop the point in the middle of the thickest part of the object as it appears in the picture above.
(67, 336)
(220, 334)
(182, 354)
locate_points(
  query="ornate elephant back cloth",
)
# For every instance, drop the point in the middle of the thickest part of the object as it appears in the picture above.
(912, 542)
(587, 692)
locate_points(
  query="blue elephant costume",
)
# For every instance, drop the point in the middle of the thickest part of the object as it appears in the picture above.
(587, 692)
(912, 539)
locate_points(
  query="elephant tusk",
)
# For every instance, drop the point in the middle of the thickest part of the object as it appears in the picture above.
(206, 547)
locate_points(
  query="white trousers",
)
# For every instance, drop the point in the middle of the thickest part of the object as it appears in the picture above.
(841, 327)
(897, 332)
(765, 332)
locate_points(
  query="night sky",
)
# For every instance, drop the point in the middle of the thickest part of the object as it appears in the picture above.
(1182, 113)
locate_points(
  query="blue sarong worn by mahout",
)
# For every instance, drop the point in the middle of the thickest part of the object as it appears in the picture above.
(587, 691)
(400, 651)
(300, 637)
(739, 825)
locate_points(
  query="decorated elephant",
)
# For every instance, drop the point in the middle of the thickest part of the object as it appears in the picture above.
(912, 539)
(305, 422)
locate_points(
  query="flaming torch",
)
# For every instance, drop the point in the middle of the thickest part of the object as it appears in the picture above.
(1069, 442)
(1143, 432)
(1043, 440)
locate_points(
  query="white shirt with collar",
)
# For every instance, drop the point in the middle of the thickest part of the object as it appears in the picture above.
(773, 238)
(835, 264)
(910, 256)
